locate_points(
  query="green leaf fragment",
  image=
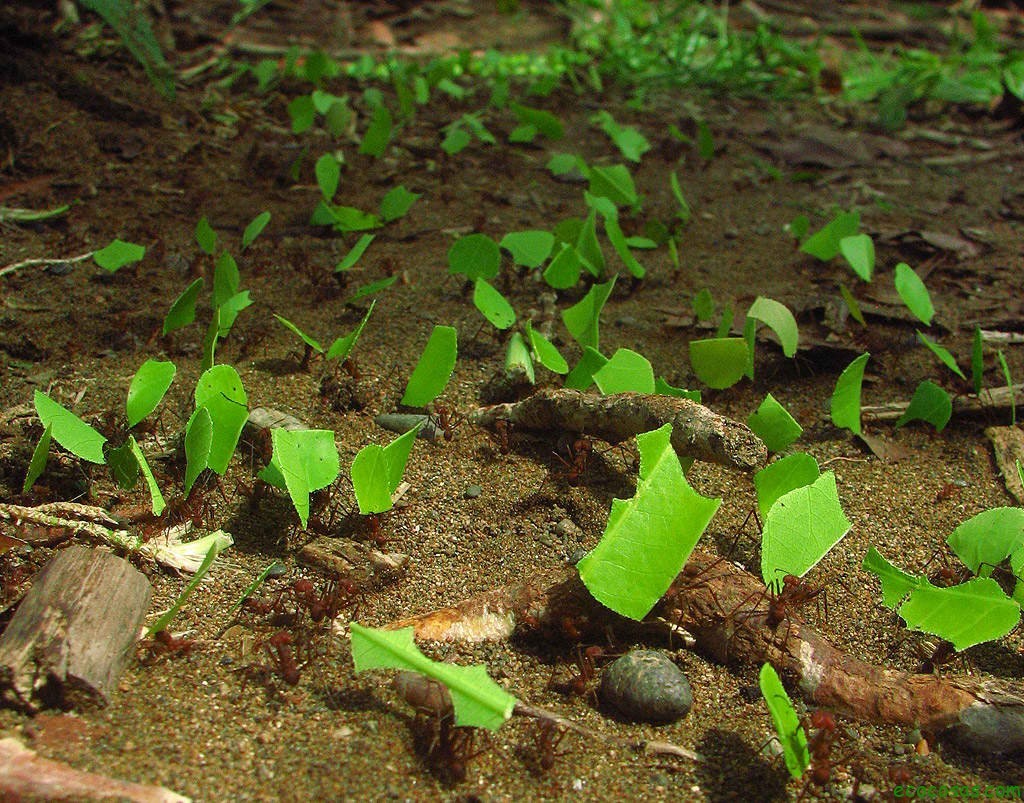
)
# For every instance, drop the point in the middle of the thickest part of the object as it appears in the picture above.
(529, 248)
(773, 424)
(397, 203)
(183, 310)
(967, 614)
(328, 172)
(198, 441)
(618, 241)
(37, 464)
(254, 229)
(493, 305)
(778, 479)
(564, 270)
(852, 305)
(719, 362)
(545, 351)
(477, 699)
(800, 528)
(614, 182)
(859, 251)
(845, 404)
(156, 498)
(377, 471)
(215, 543)
(342, 347)
(930, 403)
(378, 134)
(69, 430)
(986, 540)
(684, 213)
(626, 372)
(543, 121)
(581, 376)
(206, 237)
(352, 257)
(704, 305)
(220, 391)
(779, 319)
(824, 243)
(308, 461)
(147, 389)
(434, 368)
(475, 256)
(372, 288)
(977, 360)
(582, 319)
(648, 538)
(913, 292)
(787, 724)
(942, 353)
(517, 359)
(291, 327)
(118, 254)
(896, 583)
(124, 468)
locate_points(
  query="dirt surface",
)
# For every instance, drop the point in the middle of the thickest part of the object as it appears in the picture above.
(220, 722)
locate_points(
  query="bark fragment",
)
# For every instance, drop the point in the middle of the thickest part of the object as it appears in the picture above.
(696, 431)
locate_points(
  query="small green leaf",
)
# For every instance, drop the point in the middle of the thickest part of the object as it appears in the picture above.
(663, 388)
(378, 134)
(977, 360)
(943, 354)
(523, 133)
(545, 122)
(627, 139)
(779, 319)
(967, 614)
(342, 347)
(302, 113)
(614, 182)
(914, 293)
(896, 583)
(704, 305)
(581, 376)
(852, 305)
(220, 391)
(478, 701)
(719, 362)
(157, 499)
(493, 305)
(456, 140)
(377, 471)
(618, 241)
(930, 403)
(475, 256)
(397, 203)
(529, 248)
(787, 724)
(308, 461)
(352, 257)
(1009, 384)
(147, 389)
(434, 368)
(254, 229)
(625, 372)
(824, 243)
(845, 405)
(38, 463)
(784, 475)
(773, 424)
(564, 270)
(198, 441)
(183, 310)
(328, 172)
(545, 351)
(372, 288)
(684, 213)
(124, 468)
(226, 279)
(118, 254)
(989, 538)
(344, 218)
(582, 318)
(69, 430)
(588, 247)
(218, 541)
(800, 528)
(228, 312)
(206, 237)
(309, 341)
(562, 163)
(859, 251)
(648, 538)
(798, 227)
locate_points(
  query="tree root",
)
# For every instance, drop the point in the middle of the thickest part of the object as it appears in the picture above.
(696, 431)
(714, 601)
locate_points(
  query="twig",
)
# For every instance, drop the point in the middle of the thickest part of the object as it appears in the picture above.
(990, 399)
(697, 431)
(27, 263)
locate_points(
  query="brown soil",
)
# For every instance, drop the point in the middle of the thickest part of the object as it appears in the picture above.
(91, 131)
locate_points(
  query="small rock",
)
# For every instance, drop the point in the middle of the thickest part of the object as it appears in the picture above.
(472, 492)
(576, 556)
(646, 686)
(568, 529)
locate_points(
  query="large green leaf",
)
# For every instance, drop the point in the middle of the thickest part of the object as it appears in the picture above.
(147, 389)
(69, 430)
(434, 368)
(800, 528)
(478, 701)
(649, 537)
(220, 391)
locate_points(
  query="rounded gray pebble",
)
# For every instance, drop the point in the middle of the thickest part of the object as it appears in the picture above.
(646, 686)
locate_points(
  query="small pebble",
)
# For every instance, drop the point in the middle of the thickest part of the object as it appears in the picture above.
(567, 528)
(472, 492)
(647, 686)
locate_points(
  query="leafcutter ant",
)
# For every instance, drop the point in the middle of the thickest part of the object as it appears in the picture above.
(164, 644)
(447, 420)
(548, 736)
(501, 436)
(282, 656)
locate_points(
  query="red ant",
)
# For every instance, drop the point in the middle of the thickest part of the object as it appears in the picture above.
(447, 420)
(942, 653)
(794, 594)
(279, 647)
(502, 435)
(164, 644)
(578, 452)
(586, 664)
(548, 737)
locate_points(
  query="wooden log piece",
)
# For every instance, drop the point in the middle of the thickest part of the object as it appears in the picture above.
(72, 636)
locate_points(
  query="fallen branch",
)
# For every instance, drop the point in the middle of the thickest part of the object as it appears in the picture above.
(696, 431)
(1001, 398)
(712, 600)
(28, 263)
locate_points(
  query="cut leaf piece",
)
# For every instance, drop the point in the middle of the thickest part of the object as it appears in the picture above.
(581, 376)
(543, 121)
(475, 256)
(254, 229)
(478, 701)
(69, 430)
(328, 172)
(564, 270)
(967, 614)
(546, 353)
(352, 257)
(787, 724)
(518, 362)
(38, 462)
(308, 461)
(198, 440)
(800, 528)
(824, 243)
(614, 182)
(859, 251)
(774, 425)
(626, 372)
(779, 319)
(914, 293)
(124, 468)
(778, 479)
(156, 498)
(434, 368)
(896, 583)
(943, 354)
(493, 305)
(529, 248)
(147, 389)
(183, 310)
(377, 470)
(930, 403)
(220, 391)
(845, 405)
(852, 305)
(649, 537)
(397, 203)
(986, 540)
(663, 388)
(582, 318)
(977, 360)
(206, 237)
(719, 362)
(342, 347)
(118, 254)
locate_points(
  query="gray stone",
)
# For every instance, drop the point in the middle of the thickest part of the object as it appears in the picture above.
(647, 686)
